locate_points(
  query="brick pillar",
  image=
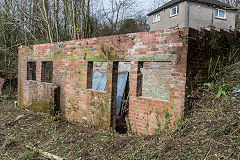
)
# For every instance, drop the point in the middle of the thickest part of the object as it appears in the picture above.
(114, 93)
(112, 75)
(133, 93)
(133, 79)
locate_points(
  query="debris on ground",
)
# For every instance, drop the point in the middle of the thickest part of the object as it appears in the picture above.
(210, 131)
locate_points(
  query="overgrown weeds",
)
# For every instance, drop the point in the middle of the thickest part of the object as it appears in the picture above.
(218, 66)
(211, 131)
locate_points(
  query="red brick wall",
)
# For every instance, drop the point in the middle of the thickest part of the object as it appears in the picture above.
(146, 115)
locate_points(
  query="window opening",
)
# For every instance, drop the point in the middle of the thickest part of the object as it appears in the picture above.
(99, 81)
(31, 71)
(97, 76)
(89, 75)
(47, 69)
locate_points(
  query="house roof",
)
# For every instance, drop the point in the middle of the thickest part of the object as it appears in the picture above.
(215, 3)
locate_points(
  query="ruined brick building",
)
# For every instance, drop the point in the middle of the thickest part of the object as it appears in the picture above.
(148, 75)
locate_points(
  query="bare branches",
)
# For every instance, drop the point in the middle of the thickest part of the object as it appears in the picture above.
(26, 22)
(118, 11)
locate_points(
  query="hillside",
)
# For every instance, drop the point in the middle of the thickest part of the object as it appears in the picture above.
(210, 131)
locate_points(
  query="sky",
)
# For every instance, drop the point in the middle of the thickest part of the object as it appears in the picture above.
(146, 5)
(141, 7)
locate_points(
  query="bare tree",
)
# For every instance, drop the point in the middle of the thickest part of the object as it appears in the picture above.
(117, 11)
(25, 22)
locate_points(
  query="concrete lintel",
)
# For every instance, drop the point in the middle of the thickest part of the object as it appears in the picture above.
(35, 59)
(145, 58)
(95, 58)
(151, 58)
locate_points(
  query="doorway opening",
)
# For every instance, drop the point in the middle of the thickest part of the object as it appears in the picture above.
(122, 97)
(56, 101)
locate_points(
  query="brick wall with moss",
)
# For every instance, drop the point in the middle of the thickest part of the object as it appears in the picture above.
(208, 52)
(148, 114)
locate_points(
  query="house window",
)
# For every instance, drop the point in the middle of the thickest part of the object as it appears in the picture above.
(156, 18)
(97, 76)
(47, 69)
(31, 71)
(219, 13)
(174, 11)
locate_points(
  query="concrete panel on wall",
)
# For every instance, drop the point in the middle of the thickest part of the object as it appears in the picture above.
(156, 77)
(124, 67)
(99, 66)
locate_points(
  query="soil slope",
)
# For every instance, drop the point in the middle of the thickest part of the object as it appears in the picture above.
(210, 131)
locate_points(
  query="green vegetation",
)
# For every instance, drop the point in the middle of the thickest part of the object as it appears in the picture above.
(210, 131)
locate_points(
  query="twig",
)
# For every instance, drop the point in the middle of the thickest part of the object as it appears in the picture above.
(21, 117)
(3, 147)
(133, 156)
(220, 143)
(235, 131)
(8, 156)
(45, 154)
(198, 104)
(207, 153)
(230, 155)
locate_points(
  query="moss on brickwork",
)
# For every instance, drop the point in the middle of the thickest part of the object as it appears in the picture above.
(94, 58)
(86, 52)
(102, 115)
(166, 121)
(159, 125)
(107, 54)
(45, 107)
(29, 48)
(58, 55)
